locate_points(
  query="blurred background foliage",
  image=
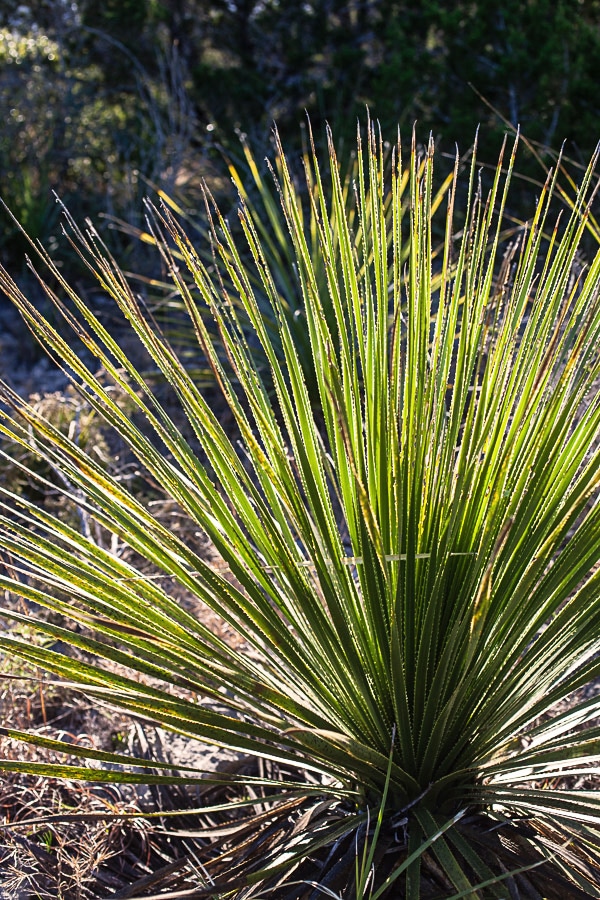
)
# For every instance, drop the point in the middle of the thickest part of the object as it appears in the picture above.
(99, 100)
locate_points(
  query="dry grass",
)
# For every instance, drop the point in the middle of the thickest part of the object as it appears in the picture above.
(68, 840)
(64, 840)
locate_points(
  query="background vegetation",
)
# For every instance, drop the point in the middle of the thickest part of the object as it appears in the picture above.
(100, 98)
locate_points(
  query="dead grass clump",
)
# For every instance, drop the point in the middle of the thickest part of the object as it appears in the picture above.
(63, 857)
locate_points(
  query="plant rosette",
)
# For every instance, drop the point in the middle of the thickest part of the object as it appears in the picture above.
(411, 553)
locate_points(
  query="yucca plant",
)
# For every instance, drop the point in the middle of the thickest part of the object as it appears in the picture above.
(413, 567)
(259, 193)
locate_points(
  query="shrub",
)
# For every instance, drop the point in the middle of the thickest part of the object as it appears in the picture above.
(412, 566)
(85, 115)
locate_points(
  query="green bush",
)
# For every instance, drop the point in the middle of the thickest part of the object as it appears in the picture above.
(451, 66)
(84, 117)
(532, 62)
(413, 567)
